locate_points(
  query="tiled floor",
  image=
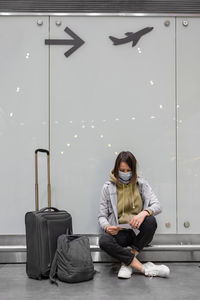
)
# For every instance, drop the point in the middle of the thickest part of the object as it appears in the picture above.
(183, 283)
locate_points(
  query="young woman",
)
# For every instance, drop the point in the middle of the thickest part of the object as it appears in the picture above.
(128, 199)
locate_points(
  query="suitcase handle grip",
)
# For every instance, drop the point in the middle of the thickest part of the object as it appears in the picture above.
(42, 150)
(47, 208)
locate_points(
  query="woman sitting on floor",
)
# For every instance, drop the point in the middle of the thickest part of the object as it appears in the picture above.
(127, 200)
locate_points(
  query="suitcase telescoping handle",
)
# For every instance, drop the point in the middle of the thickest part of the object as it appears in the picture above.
(36, 178)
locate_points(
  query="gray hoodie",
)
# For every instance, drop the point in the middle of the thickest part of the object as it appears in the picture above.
(108, 214)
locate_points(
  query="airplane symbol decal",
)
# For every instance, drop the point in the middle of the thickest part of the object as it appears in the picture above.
(130, 37)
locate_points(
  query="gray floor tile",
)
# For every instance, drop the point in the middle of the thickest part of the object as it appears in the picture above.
(183, 283)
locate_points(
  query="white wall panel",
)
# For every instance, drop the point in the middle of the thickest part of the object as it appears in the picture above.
(23, 115)
(105, 99)
(188, 123)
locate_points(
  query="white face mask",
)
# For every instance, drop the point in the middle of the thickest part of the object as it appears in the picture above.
(125, 176)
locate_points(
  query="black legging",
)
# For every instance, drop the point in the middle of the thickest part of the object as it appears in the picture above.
(114, 244)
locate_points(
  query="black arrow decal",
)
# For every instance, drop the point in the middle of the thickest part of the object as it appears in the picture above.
(76, 41)
(131, 37)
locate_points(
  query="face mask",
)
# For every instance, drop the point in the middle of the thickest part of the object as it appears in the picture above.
(125, 176)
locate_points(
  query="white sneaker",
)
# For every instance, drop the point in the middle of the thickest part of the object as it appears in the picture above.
(125, 271)
(150, 269)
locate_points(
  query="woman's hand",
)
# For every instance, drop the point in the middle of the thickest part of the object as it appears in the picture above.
(113, 230)
(137, 220)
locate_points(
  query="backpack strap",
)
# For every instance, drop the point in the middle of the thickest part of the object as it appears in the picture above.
(53, 270)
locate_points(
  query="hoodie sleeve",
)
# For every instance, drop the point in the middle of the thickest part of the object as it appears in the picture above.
(103, 209)
(150, 200)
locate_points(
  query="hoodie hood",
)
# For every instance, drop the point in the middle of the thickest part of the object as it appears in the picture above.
(112, 177)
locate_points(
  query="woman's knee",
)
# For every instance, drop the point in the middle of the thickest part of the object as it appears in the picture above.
(150, 222)
(105, 240)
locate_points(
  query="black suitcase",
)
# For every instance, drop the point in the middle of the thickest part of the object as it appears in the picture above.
(43, 227)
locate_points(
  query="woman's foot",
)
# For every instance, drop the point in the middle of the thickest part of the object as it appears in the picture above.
(125, 271)
(150, 269)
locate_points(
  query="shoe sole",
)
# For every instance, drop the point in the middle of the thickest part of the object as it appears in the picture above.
(124, 277)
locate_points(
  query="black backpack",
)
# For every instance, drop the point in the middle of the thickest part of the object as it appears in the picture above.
(72, 261)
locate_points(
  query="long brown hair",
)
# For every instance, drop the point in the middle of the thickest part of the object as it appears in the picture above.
(129, 158)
